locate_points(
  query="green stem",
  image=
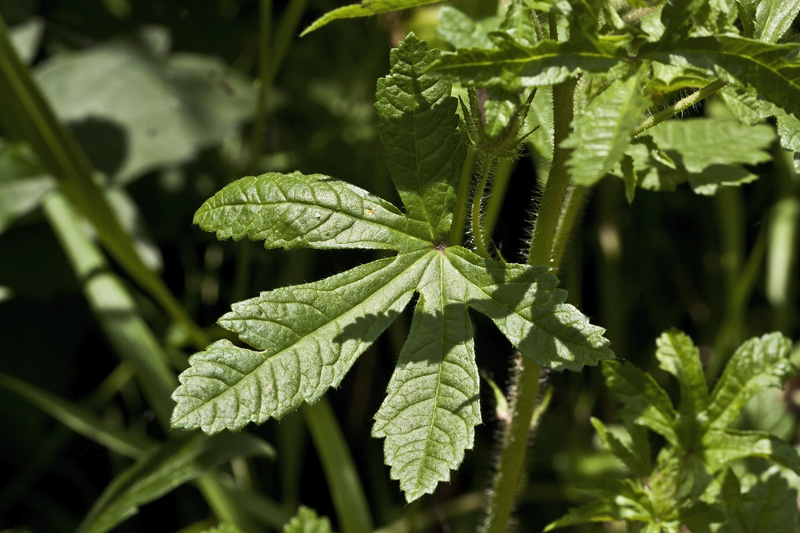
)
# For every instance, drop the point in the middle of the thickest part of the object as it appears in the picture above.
(679, 106)
(569, 215)
(477, 200)
(500, 178)
(456, 236)
(515, 441)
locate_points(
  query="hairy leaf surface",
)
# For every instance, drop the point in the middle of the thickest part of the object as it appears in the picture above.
(603, 130)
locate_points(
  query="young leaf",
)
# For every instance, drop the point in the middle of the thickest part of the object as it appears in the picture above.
(424, 151)
(294, 210)
(432, 407)
(603, 130)
(629, 452)
(677, 354)
(644, 401)
(164, 469)
(757, 364)
(307, 337)
(307, 521)
(365, 9)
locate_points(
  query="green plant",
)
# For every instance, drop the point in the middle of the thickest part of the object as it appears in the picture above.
(595, 93)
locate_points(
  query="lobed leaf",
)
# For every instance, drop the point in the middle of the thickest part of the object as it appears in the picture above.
(677, 354)
(644, 401)
(432, 403)
(315, 211)
(756, 364)
(365, 9)
(634, 452)
(602, 132)
(307, 337)
(419, 128)
(527, 306)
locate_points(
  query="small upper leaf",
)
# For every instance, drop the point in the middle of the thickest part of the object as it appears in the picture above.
(678, 355)
(419, 128)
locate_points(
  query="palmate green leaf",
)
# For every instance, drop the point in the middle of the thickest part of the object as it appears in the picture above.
(602, 131)
(770, 68)
(758, 363)
(418, 121)
(295, 210)
(515, 66)
(770, 505)
(164, 469)
(644, 401)
(306, 337)
(365, 9)
(771, 18)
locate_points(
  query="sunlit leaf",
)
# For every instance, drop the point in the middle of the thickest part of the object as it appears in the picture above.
(365, 9)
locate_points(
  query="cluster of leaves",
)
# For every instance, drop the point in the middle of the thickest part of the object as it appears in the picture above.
(694, 481)
(308, 336)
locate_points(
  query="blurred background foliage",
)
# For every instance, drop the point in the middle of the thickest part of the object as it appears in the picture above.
(163, 98)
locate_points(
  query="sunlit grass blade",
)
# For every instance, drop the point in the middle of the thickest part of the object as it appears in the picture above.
(365, 9)
(345, 487)
(80, 420)
(164, 469)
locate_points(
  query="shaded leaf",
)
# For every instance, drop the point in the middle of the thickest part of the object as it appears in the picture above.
(526, 304)
(419, 129)
(677, 354)
(634, 452)
(644, 401)
(460, 30)
(771, 18)
(164, 469)
(23, 184)
(175, 104)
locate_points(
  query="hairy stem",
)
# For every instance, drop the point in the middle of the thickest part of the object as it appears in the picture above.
(477, 200)
(514, 444)
(679, 106)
